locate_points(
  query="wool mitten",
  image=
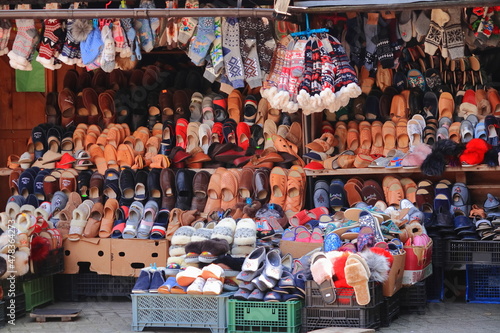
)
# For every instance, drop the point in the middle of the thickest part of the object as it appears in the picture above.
(108, 52)
(395, 41)
(51, 43)
(187, 25)
(434, 37)
(371, 30)
(24, 44)
(70, 53)
(265, 44)
(202, 40)
(231, 51)
(454, 35)
(5, 28)
(248, 47)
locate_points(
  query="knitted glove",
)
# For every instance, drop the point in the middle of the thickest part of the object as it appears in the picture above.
(52, 41)
(5, 29)
(454, 35)
(434, 37)
(24, 44)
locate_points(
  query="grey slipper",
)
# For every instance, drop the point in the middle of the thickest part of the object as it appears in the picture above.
(491, 202)
(321, 194)
(59, 201)
(466, 131)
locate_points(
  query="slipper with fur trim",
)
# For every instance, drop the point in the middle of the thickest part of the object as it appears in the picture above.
(357, 275)
(322, 271)
(225, 230)
(245, 232)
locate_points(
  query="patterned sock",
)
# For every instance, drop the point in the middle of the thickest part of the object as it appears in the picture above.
(231, 51)
(296, 68)
(51, 43)
(265, 44)
(328, 72)
(202, 40)
(24, 44)
(282, 97)
(187, 25)
(248, 46)
(70, 54)
(209, 73)
(6, 28)
(454, 35)
(118, 36)
(395, 41)
(384, 51)
(270, 87)
(107, 60)
(216, 50)
(146, 28)
(308, 68)
(371, 29)
(354, 39)
(434, 37)
(316, 73)
(172, 27)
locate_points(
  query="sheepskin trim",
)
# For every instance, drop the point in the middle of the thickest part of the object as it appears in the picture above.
(242, 251)
(378, 264)
(468, 108)
(176, 250)
(245, 236)
(21, 264)
(228, 222)
(201, 235)
(246, 223)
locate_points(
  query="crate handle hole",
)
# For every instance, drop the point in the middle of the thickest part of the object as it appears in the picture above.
(154, 255)
(121, 254)
(137, 265)
(100, 253)
(67, 252)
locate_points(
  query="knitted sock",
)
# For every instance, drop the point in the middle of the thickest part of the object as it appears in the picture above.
(270, 86)
(384, 51)
(329, 66)
(6, 28)
(216, 50)
(304, 96)
(187, 24)
(422, 24)
(24, 43)
(316, 73)
(296, 68)
(265, 44)
(395, 41)
(70, 53)
(107, 60)
(130, 37)
(354, 39)
(434, 37)
(202, 40)
(144, 30)
(209, 73)
(51, 43)
(370, 28)
(231, 51)
(454, 35)
(282, 97)
(118, 36)
(248, 46)
(169, 28)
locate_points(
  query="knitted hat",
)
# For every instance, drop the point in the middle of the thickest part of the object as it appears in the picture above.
(91, 47)
(304, 97)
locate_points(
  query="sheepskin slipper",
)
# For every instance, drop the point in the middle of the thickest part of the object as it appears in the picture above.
(225, 229)
(357, 275)
(246, 232)
(21, 265)
(201, 234)
(4, 221)
(3, 264)
(12, 209)
(186, 277)
(378, 264)
(177, 250)
(183, 235)
(242, 251)
(212, 271)
(322, 273)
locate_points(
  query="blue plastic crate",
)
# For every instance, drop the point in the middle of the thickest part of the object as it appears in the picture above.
(483, 284)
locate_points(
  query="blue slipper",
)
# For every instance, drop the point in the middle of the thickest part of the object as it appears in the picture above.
(332, 242)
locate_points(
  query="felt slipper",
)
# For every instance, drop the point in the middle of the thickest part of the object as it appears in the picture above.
(134, 218)
(302, 234)
(321, 195)
(353, 192)
(454, 132)
(357, 275)
(322, 271)
(406, 20)
(389, 136)
(288, 234)
(337, 195)
(317, 235)
(402, 135)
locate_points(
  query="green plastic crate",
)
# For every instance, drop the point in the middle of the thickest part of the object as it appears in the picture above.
(247, 316)
(38, 291)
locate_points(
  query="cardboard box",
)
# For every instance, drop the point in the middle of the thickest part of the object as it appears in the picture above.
(298, 249)
(92, 252)
(418, 263)
(395, 280)
(129, 256)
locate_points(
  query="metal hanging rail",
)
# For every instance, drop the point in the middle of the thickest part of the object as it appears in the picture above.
(137, 13)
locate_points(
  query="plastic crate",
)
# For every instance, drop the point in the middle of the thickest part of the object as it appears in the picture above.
(66, 287)
(38, 291)
(316, 318)
(53, 264)
(93, 284)
(470, 252)
(389, 309)
(3, 318)
(483, 284)
(248, 316)
(187, 311)
(435, 285)
(345, 296)
(19, 305)
(438, 252)
(414, 298)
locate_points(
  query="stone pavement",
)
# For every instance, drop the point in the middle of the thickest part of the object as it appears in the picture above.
(103, 315)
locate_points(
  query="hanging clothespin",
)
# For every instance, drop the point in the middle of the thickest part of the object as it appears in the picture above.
(123, 4)
(109, 3)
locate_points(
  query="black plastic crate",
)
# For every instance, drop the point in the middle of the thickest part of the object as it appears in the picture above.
(3, 318)
(389, 309)
(438, 252)
(483, 284)
(73, 287)
(65, 287)
(53, 264)
(345, 296)
(470, 252)
(19, 306)
(414, 298)
(435, 285)
(321, 317)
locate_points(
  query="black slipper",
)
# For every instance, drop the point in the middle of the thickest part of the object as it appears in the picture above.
(141, 182)
(154, 188)
(184, 185)
(127, 184)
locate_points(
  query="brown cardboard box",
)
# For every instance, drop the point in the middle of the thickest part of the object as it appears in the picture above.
(129, 256)
(96, 251)
(395, 280)
(417, 264)
(297, 249)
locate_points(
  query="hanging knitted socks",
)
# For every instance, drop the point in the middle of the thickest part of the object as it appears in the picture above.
(282, 97)
(371, 30)
(296, 71)
(107, 60)
(395, 41)
(384, 51)
(146, 28)
(248, 47)
(216, 50)
(329, 67)
(118, 36)
(354, 37)
(435, 36)
(70, 54)
(270, 87)
(187, 25)
(454, 35)
(51, 44)
(5, 28)
(265, 44)
(202, 40)
(304, 97)
(231, 51)
(24, 44)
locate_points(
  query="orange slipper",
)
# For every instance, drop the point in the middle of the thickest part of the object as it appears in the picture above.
(295, 134)
(352, 139)
(346, 161)
(278, 185)
(403, 141)
(110, 156)
(294, 193)
(270, 128)
(365, 138)
(377, 139)
(454, 132)
(386, 183)
(398, 108)
(139, 163)
(101, 164)
(341, 135)
(114, 136)
(102, 140)
(234, 105)
(324, 144)
(395, 193)
(494, 99)
(160, 161)
(90, 139)
(353, 192)
(125, 156)
(410, 188)
(153, 145)
(157, 129)
(262, 109)
(362, 160)
(142, 133)
(446, 105)
(389, 135)
(214, 193)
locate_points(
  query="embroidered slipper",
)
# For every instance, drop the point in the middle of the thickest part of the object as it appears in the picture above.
(366, 238)
(366, 219)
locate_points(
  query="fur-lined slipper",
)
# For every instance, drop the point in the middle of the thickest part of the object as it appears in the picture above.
(242, 251)
(357, 274)
(213, 248)
(182, 236)
(212, 271)
(186, 277)
(225, 229)
(378, 264)
(196, 288)
(212, 287)
(322, 272)
(21, 264)
(246, 232)
(176, 250)
(201, 234)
